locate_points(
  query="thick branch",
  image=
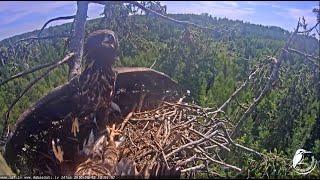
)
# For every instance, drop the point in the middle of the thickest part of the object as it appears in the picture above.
(192, 143)
(77, 41)
(201, 166)
(256, 101)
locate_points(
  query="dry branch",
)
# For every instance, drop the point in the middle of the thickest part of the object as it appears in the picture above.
(52, 67)
(309, 30)
(34, 69)
(309, 57)
(43, 27)
(236, 92)
(42, 38)
(276, 63)
(175, 135)
(54, 19)
(77, 41)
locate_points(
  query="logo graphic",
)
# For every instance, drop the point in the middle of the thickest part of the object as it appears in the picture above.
(299, 164)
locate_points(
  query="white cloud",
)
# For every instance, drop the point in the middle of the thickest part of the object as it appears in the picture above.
(296, 13)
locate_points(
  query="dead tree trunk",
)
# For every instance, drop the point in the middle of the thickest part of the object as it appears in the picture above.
(77, 40)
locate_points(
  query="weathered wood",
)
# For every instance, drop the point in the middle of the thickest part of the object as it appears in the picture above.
(77, 41)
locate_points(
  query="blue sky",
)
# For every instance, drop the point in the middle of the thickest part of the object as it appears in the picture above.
(24, 16)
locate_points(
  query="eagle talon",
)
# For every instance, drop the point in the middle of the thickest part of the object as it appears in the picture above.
(113, 132)
(75, 127)
(58, 153)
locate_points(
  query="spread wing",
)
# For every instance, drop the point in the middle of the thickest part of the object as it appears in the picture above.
(36, 119)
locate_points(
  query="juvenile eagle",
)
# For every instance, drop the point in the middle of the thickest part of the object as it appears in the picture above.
(66, 116)
(105, 160)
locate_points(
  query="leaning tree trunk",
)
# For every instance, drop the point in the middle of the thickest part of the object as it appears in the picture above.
(77, 40)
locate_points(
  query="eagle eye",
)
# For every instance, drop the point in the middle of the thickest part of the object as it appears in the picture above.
(109, 38)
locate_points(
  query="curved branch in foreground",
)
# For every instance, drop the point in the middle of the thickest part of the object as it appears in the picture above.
(6, 115)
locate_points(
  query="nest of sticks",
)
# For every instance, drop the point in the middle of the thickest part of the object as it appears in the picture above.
(179, 135)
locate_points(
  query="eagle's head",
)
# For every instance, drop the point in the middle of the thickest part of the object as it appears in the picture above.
(101, 47)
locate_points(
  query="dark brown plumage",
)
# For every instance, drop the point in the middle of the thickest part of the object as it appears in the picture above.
(105, 160)
(67, 113)
(103, 157)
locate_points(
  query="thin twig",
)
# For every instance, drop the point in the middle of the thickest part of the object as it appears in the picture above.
(191, 144)
(309, 57)
(201, 166)
(309, 30)
(54, 19)
(236, 92)
(43, 38)
(135, 3)
(27, 72)
(52, 67)
(272, 78)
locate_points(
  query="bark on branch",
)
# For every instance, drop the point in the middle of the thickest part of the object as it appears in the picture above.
(77, 41)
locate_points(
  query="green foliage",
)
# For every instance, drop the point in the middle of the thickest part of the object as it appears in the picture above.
(209, 64)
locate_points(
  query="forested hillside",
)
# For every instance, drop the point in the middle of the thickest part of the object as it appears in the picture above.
(211, 64)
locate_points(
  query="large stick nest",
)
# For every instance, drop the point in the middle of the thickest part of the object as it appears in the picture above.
(157, 128)
(176, 134)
